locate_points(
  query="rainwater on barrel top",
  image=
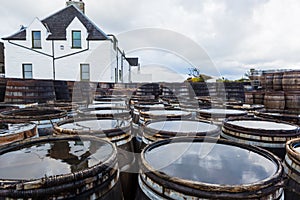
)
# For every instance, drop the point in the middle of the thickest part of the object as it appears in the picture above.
(15, 128)
(266, 125)
(210, 163)
(52, 158)
(182, 126)
(95, 124)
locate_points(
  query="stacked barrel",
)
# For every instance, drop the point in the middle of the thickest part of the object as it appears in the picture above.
(280, 91)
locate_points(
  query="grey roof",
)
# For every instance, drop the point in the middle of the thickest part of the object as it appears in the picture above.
(58, 23)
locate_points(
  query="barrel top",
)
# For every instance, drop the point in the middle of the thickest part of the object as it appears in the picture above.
(220, 111)
(107, 105)
(95, 124)
(108, 111)
(210, 163)
(265, 125)
(166, 113)
(54, 157)
(182, 126)
(15, 128)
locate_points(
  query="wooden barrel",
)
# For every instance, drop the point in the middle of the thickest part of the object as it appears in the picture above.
(277, 81)
(249, 98)
(148, 89)
(29, 91)
(258, 97)
(107, 113)
(269, 81)
(83, 91)
(70, 108)
(63, 167)
(291, 81)
(117, 131)
(292, 101)
(285, 116)
(268, 134)
(291, 168)
(217, 115)
(163, 129)
(61, 90)
(3, 82)
(207, 168)
(16, 132)
(43, 117)
(274, 100)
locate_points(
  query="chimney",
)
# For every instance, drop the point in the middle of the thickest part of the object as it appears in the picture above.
(78, 3)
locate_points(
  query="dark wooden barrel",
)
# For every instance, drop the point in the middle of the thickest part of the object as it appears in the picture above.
(163, 129)
(292, 101)
(61, 90)
(70, 108)
(267, 134)
(117, 131)
(12, 132)
(207, 168)
(29, 91)
(274, 100)
(3, 82)
(107, 113)
(43, 117)
(269, 81)
(277, 81)
(258, 97)
(148, 89)
(249, 98)
(217, 115)
(291, 167)
(65, 167)
(285, 116)
(83, 91)
(291, 81)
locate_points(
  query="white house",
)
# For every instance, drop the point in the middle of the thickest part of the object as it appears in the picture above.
(65, 46)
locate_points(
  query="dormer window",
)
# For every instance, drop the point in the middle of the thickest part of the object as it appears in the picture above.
(36, 40)
(76, 39)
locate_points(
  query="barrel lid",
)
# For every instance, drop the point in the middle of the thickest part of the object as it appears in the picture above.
(215, 163)
(166, 113)
(262, 124)
(182, 126)
(107, 111)
(9, 128)
(52, 156)
(94, 124)
(220, 111)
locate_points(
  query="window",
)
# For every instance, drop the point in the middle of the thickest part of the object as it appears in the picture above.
(27, 71)
(76, 39)
(2, 70)
(85, 72)
(36, 39)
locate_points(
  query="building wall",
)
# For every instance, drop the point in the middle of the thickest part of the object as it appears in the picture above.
(100, 55)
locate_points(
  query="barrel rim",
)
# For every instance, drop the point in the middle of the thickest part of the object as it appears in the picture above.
(45, 181)
(170, 133)
(275, 179)
(260, 131)
(9, 115)
(108, 132)
(185, 114)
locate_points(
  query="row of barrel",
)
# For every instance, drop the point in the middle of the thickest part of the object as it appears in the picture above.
(281, 81)
(276, 100)
(68, 162)
(29, 91)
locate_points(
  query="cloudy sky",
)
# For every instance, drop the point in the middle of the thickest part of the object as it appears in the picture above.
(230, 36)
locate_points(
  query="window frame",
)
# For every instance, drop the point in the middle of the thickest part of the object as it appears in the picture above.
(82, 72)
(33, 39)
(74, 39)
(24, 72)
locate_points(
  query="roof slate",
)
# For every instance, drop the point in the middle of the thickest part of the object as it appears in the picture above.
(58, 23)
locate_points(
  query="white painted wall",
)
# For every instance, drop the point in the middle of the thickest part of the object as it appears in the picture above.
(100, 55)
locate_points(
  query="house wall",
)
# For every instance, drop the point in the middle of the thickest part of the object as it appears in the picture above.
(100, 55)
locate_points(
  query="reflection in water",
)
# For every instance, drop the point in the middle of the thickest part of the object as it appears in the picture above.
(224, 164)
(95, 124)
(53, 158)
(266, 125)
(182, 126)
